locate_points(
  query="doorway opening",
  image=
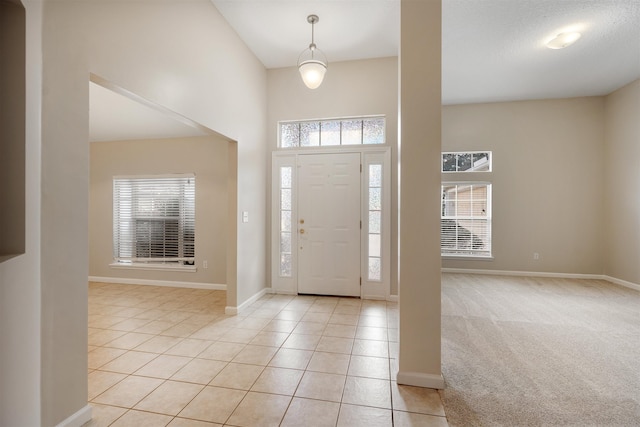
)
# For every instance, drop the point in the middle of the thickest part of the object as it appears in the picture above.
(139, 137)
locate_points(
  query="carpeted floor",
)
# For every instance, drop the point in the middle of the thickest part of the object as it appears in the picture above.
(522, 351)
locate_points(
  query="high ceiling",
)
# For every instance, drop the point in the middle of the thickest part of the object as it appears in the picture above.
(116, 117)
(492, 50)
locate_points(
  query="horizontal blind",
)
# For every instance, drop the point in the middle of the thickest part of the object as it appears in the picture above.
(154, 219)
(465, 226)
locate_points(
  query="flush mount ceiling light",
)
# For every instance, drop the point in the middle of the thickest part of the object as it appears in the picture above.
(563, 40)
(312, 63)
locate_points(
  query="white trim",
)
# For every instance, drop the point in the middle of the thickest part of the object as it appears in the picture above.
(475, 254)
(78, 419)
(154, 267)
(393, 298)
(173, 284)
(282, 284)
(282, 292)
(376, 289)
(523, 273)
(331, 149)
(472, 170)
(374, 297)
(232, 311)
(332, 119)
(289, 157)
(621, 282)
(419, 379)
(158, 176)
(453, 257)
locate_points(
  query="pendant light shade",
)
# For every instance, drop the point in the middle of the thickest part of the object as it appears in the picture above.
(312, 73)
(312, 63)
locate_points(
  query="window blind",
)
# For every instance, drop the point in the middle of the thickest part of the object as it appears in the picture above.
(154, 219)
(465, 225)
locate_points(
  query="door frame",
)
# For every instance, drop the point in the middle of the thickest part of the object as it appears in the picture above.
(329, 214)
(369, 155)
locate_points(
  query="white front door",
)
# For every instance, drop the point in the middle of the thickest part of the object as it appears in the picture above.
(329, 224)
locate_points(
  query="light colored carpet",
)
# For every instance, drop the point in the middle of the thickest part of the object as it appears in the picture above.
(521, 351)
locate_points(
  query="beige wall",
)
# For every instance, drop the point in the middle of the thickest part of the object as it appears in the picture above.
(12, 128)
(622, 184)
(180, 55)
(547, 180)
(419, 216)
(351, 88)
(206, 157)
(20, 292)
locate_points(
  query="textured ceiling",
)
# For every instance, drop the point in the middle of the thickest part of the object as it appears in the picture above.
(492, 50)
(277, 30)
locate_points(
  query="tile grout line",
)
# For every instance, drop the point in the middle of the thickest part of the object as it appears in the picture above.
(308, 308)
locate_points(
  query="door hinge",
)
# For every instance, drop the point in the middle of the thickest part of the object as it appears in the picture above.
(360, 281)
(360, 224)
(360, 167)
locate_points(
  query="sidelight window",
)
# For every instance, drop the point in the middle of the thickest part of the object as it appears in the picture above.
(286, 189)
(375, 222)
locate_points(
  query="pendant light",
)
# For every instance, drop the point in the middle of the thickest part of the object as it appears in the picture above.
(312, 62)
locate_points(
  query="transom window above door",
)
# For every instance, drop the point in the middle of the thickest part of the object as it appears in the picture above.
(332, 132)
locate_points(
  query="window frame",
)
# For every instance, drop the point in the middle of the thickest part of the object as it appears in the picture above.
(331, 122)
(182, 213)
(476, 254)
(471, 153)
(377, 154)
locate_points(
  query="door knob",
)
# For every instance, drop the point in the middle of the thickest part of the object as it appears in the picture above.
(302, 231)
(302, 221)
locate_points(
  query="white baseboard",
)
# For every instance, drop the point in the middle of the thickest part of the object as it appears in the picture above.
(419, 379)
(232, 311)
(126, 281)
(78, 419)
(622, 282)
(374, 297)
(281, 292)
(523, 273)
(390, 298)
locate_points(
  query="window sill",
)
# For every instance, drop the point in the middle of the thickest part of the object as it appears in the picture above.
(155, 267)
(467, 258)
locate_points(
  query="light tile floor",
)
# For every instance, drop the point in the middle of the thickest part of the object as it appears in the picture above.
(169, 356)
